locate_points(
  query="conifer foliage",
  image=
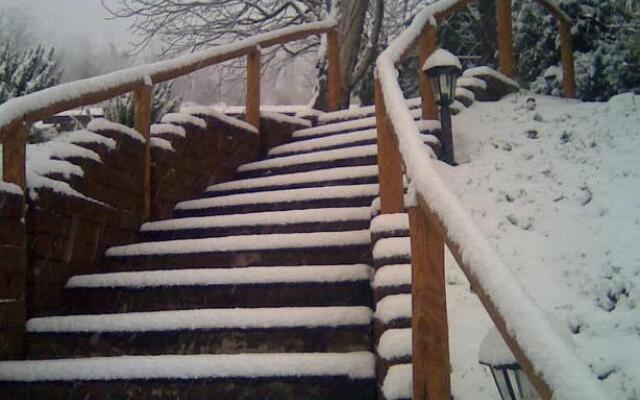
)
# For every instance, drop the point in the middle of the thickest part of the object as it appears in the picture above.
(121, 109)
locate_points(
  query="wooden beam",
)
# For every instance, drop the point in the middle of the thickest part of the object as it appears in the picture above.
(568, 68)
(389, 160)
(426, 46)
(504, 37)
(252, 102)
(14, 142)
(536, 379)
(429, 326)
(142, 123)
(333, 79)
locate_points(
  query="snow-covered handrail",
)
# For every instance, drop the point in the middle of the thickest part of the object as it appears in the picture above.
(17, 113)
(553, 365)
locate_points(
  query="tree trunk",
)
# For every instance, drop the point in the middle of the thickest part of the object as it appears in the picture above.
(350, 27)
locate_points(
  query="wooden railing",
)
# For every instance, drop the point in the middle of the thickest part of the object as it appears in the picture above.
(436, 218)
(18, 113)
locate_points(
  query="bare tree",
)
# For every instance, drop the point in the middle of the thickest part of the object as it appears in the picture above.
(189, 25)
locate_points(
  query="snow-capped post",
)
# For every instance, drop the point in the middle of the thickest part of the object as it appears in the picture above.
(429, 325)
(504, 35)
(426, 46)
(389, 160)
(14, 147)
(512, 382)
(142, 123)
(252, 106)
(333, 79)
(443, 69)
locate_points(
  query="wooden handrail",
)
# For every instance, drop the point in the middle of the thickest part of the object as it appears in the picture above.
(19, 112)
(552, 366)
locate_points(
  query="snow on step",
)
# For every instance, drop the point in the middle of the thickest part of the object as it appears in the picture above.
(220, 318)
(224, 276)
(390, 223)
(243, 243)
(395, 343)
(393, 307)
(359, 112)
(392, 275)
(398, 384)
(210, 112)
(471, 82)
(318, 156)
(282, 196)
(284, 118)
(329, 174)
(356, 365)
(323, 142)
(363, 123)
(262, 218)
(392, 247)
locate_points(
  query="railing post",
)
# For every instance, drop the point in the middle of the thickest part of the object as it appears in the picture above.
(14, 148)
(505, 33)
(142, 123)
(333, 79)
(426, 46)
(568, 69)
(389, 161)
(429, 327)
(252, 105)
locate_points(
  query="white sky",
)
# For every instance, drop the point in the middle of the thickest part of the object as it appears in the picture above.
(59, 22)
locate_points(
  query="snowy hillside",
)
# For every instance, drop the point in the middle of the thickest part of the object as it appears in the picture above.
(555, 186)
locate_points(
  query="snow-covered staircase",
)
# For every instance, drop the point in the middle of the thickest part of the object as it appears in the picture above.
(261, 288)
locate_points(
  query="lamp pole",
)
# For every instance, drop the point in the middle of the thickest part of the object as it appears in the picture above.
(442, 69)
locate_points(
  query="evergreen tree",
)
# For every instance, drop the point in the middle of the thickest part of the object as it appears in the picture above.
(121, 109)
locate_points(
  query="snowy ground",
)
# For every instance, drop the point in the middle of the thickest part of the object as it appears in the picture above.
(557, 192)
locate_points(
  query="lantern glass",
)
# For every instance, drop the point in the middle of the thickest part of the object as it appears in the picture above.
(443, 83)
(512, 383)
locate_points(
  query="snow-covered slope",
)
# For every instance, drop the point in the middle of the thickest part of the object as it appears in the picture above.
(556, 189)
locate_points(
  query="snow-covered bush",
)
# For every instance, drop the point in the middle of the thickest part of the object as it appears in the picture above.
(121, 109)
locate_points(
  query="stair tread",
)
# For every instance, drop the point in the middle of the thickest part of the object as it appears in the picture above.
(334, 128)
(287, 217)
(282, 196)
(398, 384)
(224, 276)
(392, 275)
(360, 112)
(243, 242)
(323, 175)
(323, 142)
(397, 306)
(206, 319)
(354, 365)
(395, 344)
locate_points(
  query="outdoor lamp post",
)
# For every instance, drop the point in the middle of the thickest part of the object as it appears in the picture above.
(510, 379)
(443, 69)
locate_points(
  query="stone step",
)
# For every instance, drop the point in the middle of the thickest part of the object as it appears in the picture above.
(315, 248)
(280, 200)
(341, 376)
(202, 331)
(290, 221)
(365, 174)
(297, 286)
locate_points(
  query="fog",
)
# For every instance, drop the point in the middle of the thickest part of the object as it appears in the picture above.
(89, 42)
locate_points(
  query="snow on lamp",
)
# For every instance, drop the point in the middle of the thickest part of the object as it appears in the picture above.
(443, 69)
(510, 379)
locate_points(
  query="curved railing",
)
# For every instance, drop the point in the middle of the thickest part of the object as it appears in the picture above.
(17, 113)
(437, 218)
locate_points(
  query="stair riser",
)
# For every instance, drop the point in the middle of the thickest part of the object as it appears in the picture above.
(361, 201)
(335, 182)
(335, 388)
(401, 259)
(312, 166)
(255, 230)
(381, 293)
(226, 341)
(319, 135)
(99, 301)
(284, 257)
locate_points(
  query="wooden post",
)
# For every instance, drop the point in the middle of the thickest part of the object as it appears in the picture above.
(505, 41)
(389, 160)
(142, 124)
(333, 80)
(426, 46)
(14, 142)
(429, 327)
(568, 69)
(252, 106)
